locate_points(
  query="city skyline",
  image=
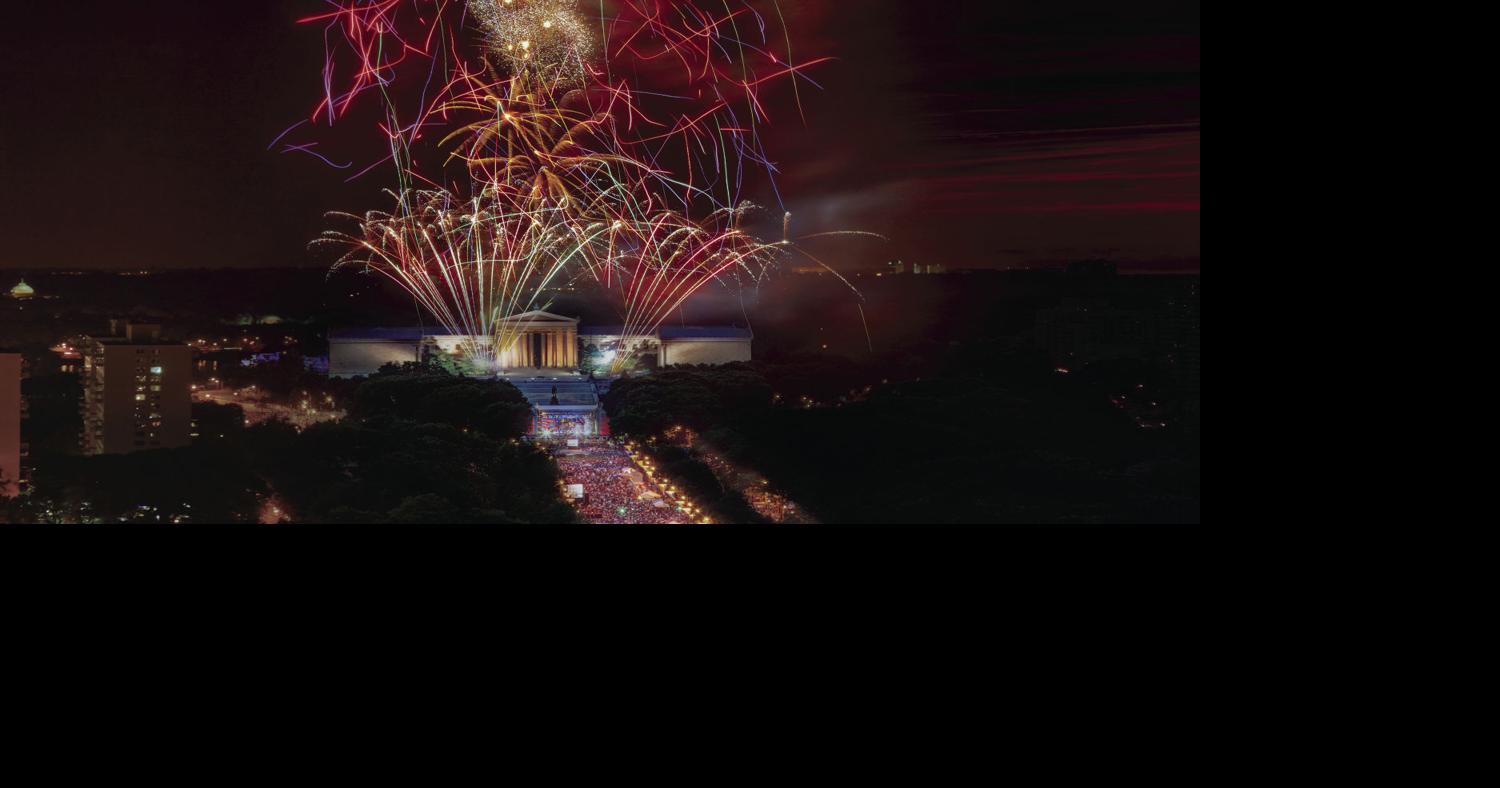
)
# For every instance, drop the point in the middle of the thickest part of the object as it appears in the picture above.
(601, 263)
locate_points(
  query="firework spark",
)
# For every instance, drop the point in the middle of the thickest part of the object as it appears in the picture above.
(469, 263)
(608, 150)
(547, 38)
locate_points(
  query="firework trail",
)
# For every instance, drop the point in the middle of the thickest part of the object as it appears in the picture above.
(607, 147)
(470, 263)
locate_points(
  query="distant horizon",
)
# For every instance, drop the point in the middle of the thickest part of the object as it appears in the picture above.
(1026, 132)
(1127, 266)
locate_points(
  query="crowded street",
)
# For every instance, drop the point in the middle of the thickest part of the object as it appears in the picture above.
(610, 486)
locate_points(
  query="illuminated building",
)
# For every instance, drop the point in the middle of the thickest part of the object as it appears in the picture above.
(566, 407)
(711, 345)
(544, 359)
(12, 409)
(538, 341)
(69, 360)
(673, 345)
(136, 391)
(542, 341)
(22, 291)
(542, 344)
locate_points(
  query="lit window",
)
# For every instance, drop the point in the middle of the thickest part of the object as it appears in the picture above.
(156, 370)
(140, 398)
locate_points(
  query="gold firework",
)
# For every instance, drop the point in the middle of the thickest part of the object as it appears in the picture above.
(545, 37)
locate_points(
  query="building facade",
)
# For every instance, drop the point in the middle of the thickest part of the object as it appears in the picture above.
(543, 356)
(532, 341)
(12, 409)
(137, 393)
(536, 342)
(698, 345)
(539, 340)
(360, 352)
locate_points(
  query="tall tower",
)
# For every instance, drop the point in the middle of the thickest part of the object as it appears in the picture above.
(137, 392)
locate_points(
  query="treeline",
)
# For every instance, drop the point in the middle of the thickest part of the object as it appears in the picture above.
(981, 435)
(703, 486)
(418, 446)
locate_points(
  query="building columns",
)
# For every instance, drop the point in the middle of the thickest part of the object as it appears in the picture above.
(548, 349)
(543, 347)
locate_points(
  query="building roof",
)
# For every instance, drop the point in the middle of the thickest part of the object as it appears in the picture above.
(539, 318)
(705, 332)
(22, 290)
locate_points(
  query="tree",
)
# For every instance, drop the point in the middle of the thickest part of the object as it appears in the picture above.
(419, 445)
(218, 422)
(696, 397)
(209, 483)
(1003, 440)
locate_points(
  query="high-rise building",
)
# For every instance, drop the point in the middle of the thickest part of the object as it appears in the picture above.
(12, 408)
(69, 360)
(136, 391)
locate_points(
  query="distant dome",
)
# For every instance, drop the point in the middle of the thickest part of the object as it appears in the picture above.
(22, 290)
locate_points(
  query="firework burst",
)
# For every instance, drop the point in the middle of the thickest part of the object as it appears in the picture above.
(606, 149)
(469, 263)
(546, 38)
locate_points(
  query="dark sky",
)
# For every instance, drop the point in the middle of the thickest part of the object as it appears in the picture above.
(976, 133)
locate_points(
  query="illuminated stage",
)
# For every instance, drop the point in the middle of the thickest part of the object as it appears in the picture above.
(564, 406)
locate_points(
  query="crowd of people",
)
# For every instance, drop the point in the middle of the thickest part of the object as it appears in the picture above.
(615, 490)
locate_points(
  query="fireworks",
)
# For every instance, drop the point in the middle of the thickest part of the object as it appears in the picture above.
(470, 264)
(557, 156)
(680, 81)
(544, 37)
(607, 149)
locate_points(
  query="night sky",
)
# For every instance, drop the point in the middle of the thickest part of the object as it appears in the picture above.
(973, 133)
